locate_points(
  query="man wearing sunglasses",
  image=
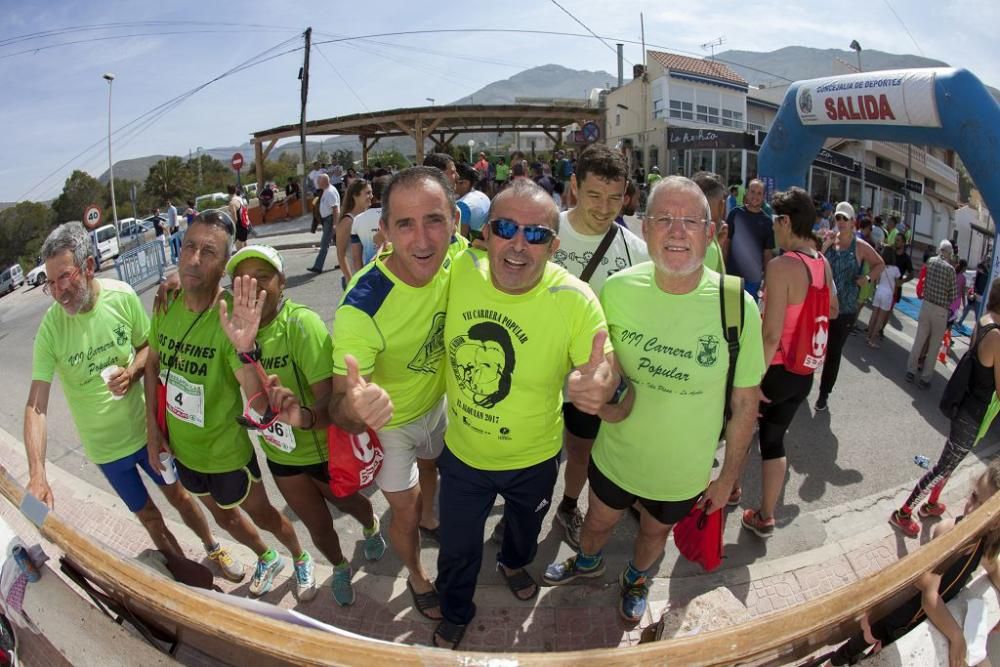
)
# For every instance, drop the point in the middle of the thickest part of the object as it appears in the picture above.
(95, 325)
(516, 326)
(658, 443)
(592, 247)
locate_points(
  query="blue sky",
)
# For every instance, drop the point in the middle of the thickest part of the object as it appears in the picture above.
(56, 100)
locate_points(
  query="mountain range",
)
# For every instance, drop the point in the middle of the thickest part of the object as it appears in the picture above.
(768, 69)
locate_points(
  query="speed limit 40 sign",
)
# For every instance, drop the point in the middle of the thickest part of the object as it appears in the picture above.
(92, 216)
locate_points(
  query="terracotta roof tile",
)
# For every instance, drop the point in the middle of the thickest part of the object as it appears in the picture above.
(697, 66)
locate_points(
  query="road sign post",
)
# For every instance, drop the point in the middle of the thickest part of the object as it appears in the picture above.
(92, 216)
(237, 164)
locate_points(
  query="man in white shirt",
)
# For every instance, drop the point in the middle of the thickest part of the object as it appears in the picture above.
(314, 175)
(598, 187)
(329, 211)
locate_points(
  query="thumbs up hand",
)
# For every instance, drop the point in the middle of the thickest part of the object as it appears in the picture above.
(366, 401)
(592, 385)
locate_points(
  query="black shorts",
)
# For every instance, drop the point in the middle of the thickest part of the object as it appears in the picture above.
(667, 512)
(579, 423)
(318, 471)
(228, 489)
(242, 232)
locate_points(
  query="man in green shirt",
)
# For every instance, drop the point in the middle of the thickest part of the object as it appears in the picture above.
(502, 174)
(516, 325)
(665, 324)
(98, 328)
(194, 360)
(388, 351)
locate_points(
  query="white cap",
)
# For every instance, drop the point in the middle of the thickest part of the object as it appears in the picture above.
(844, 208)
(264, 252)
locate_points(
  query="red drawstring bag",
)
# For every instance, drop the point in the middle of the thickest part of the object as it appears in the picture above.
(698, 537)
(355, 459)
(161, 407)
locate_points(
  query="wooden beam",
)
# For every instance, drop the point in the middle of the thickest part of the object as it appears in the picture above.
(258, 155)
(270, 145)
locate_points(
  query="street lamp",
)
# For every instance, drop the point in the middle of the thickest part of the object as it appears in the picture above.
(430, 99)
(109, 77)
(857, 49)
(472, 144)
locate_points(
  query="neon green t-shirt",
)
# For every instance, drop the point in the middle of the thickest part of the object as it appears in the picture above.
(395, 331)
(503, 173)
(713, 257)
(203, 395)
(77, 348)
(296, 347)
(671, 348)
(652, 178)
(508, 357)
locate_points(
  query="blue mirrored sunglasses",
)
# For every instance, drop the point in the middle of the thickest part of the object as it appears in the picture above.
(533, 234)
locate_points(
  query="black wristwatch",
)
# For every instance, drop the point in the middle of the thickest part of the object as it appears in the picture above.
(253, 356)
(620, 392)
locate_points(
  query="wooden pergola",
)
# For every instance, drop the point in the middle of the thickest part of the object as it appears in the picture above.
(441, 124)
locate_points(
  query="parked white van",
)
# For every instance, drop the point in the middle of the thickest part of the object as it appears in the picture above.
(107, 242)
(11, 278)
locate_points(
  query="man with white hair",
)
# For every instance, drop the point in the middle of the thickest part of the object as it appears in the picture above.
(939, 291)
(329, 211)
(670, 348)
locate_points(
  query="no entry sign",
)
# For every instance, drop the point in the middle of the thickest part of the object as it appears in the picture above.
(237, 161)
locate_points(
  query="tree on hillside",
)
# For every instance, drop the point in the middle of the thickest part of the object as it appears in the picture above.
(274, 170)
(170, 178)
(343, 157)
(388, 158)
(80, 191)
(215, 175)
(23, 228)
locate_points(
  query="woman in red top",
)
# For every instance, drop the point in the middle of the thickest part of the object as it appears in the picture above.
(788, 280)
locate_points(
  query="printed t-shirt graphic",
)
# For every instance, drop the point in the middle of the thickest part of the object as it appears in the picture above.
(203, 395)
(78, 348)
(296, 347)
(395, 331)
(496, 341)
(575, 251)
(671, 347)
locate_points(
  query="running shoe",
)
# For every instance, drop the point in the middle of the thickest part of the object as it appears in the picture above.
(634, 598)
(231, 568)
(735, 496)
(928, 510)
(305, 582)
(572, 523)
(263, 575)
(374, 545)
(568, 570)
(755, 523)
(904, 523)
(821, 403)
(343, 591)
(910, 377)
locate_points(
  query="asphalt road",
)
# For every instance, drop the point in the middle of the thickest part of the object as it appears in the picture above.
(845, 465)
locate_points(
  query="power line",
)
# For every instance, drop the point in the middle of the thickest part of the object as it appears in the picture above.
(585, 27)
(904, 27)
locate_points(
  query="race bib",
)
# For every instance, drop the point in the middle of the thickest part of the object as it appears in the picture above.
(186, 400)
(279, 434)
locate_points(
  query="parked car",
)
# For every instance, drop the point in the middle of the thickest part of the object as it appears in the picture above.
(36, 276)
(11, 278)
(133, 232)
(213, 200)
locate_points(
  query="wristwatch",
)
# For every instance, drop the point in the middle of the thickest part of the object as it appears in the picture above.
(620, 392)
(253, 356)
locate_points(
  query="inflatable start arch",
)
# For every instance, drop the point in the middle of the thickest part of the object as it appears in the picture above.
(928, 107)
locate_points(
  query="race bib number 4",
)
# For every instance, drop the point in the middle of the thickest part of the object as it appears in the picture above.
(186, 400)
(279, 434)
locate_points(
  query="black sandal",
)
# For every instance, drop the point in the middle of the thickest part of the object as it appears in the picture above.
(425, 601)
(431, 533)
(518, 582)
(450, 633)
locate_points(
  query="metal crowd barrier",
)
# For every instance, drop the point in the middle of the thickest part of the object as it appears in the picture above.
(142, 266)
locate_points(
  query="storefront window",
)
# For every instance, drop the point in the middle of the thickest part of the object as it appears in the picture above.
(654, 156)
(751, 165)
(838, 188)
(701, 160)
(729, 165)
(676, 162)
(820, 189)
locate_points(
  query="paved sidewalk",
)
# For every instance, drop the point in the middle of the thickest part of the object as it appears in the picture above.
(564, 618)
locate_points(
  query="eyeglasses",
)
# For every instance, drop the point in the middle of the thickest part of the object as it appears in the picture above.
(533, 234)
(62, 282)
(690, 224)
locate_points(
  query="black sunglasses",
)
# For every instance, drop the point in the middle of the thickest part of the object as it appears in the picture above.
(533, 234)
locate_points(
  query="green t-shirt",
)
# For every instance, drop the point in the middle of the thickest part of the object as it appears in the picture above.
(652, 178)
(78, 347)
(508, 357)
(203, 395)
(395, 331)
(713, 257)
(503, 173)
(890, 238)
(296, 347)
(671, 348)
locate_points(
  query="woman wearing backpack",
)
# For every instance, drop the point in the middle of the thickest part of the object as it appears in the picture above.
(968, 425)
(799, 302)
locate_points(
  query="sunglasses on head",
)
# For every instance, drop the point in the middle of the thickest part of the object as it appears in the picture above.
(533, 234)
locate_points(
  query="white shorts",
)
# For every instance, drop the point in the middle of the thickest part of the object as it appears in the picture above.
(882, 299)
(422, 438)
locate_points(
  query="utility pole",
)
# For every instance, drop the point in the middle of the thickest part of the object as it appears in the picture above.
(304, 76)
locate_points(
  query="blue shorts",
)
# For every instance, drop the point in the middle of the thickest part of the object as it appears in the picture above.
(124, 478)
(752, 288)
